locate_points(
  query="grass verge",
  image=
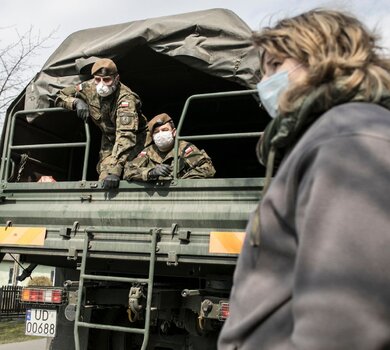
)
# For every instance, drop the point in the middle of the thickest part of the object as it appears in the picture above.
(12, 331)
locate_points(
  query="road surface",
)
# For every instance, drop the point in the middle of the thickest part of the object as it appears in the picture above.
(37, 344)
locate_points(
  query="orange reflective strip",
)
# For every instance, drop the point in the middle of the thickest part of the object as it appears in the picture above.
(22, 236)
(226, 242)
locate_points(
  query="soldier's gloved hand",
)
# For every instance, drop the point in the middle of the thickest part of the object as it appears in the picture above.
(81, 109)
(111, 181)
(159, 170)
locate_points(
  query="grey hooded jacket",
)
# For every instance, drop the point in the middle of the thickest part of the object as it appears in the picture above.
(319, 279)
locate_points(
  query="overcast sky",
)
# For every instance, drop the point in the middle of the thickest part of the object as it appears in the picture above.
(69, 16)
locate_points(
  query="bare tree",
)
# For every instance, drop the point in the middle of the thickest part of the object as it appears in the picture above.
(16, 67)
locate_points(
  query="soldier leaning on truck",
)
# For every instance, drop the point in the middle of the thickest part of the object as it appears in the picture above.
(156, 160)
(116, 110)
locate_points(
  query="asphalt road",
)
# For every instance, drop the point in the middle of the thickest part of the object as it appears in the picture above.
(37, 344)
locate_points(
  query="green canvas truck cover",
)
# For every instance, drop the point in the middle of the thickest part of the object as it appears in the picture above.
(214, 41)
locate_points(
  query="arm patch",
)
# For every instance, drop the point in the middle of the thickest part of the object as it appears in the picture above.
(188, 151)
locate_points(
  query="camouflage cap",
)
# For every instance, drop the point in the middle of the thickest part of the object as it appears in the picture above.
(158, 120)
(108, 65)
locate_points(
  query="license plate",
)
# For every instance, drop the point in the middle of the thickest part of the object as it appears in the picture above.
(41, 322)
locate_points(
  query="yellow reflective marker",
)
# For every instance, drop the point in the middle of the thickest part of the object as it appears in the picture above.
(226, 242)
(22, 236)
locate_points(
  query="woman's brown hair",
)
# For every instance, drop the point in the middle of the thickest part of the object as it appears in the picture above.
(340, 55)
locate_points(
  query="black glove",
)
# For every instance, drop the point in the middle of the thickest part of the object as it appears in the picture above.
(81, 109)
(111, 181)
(159, 170)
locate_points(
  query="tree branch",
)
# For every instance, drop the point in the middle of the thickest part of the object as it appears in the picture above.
(14, 62)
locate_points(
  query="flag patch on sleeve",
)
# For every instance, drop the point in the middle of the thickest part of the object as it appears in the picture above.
(141, 154)
(124, 104)
(188, 151)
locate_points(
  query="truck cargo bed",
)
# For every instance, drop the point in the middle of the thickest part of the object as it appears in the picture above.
(119, 223)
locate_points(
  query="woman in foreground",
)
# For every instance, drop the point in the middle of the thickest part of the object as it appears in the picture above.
(313, 272)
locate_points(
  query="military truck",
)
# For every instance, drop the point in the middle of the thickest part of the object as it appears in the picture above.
(149, 265)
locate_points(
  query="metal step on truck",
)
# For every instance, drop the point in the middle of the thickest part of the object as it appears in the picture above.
(148, 265)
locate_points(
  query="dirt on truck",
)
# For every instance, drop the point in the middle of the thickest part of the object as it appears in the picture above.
(148, 265)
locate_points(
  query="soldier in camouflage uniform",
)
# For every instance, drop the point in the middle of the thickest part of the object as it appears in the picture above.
(116, 110)
(156, 161)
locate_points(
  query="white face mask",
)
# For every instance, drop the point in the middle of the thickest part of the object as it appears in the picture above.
(163, 140)
(104, 90)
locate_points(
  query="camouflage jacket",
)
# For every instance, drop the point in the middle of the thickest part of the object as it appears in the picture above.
(118, 116)
(193, 163)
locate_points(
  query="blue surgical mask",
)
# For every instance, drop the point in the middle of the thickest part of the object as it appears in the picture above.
(270, 91)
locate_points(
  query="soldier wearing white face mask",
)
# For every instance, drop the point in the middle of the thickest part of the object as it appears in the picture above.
(116, 110)
(156, 161)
